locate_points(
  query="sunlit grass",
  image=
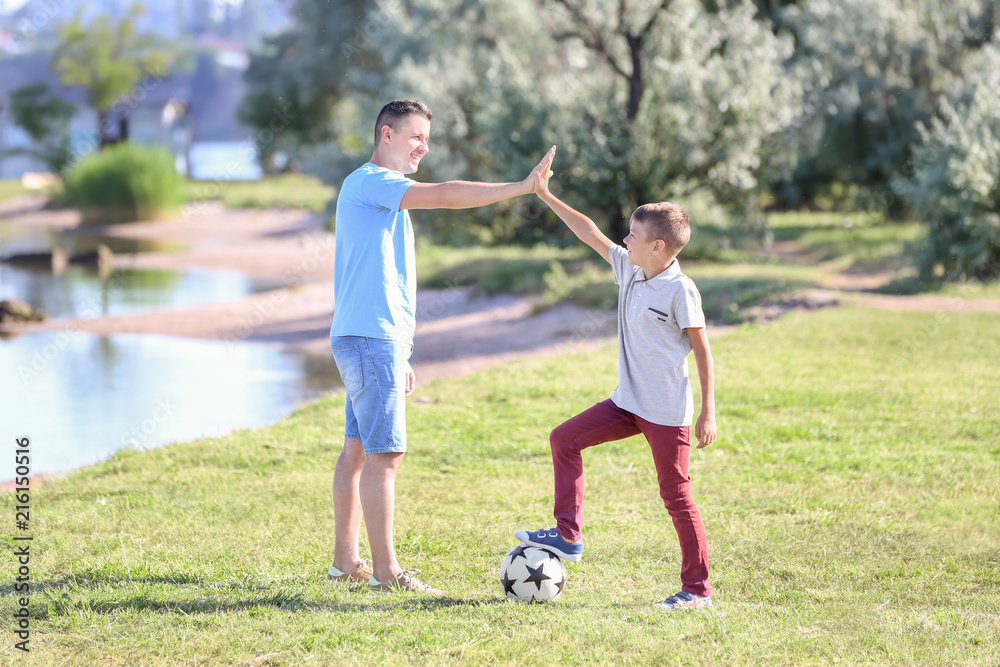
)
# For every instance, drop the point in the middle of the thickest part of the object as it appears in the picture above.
(851, 504)
(282, 191)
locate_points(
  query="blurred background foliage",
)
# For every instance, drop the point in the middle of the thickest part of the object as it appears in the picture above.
(734, 108)
(125, 182)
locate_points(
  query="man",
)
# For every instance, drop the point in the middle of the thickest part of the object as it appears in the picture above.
(372, 333)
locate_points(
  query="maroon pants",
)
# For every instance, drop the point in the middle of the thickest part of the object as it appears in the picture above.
(671, 446)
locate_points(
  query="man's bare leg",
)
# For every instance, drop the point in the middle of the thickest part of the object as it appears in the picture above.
(378, 499)
(347, 505)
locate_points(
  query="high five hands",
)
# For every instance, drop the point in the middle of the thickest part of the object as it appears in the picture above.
(541, 174)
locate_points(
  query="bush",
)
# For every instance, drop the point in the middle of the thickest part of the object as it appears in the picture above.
(124, 183)
(954, 184)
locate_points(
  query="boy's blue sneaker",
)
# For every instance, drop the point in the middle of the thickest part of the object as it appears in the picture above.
(684, 600)
(553, 541)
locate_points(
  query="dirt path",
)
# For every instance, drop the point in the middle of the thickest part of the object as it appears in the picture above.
(930, 302)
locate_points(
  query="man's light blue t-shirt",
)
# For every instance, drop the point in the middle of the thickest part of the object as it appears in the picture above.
(375, 277)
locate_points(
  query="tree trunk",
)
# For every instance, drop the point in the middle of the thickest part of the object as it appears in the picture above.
(636, 86)
(102, 130)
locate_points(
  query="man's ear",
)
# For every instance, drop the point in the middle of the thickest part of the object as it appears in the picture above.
(386, 132)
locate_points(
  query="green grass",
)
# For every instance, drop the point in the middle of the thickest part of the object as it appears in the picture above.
(283, 191)
(850, 240)
(852, 504)
(9, 188)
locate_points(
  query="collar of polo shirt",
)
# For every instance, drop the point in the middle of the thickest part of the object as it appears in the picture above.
(664, 276)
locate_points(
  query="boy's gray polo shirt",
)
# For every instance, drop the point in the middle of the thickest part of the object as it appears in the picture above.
(653, 347)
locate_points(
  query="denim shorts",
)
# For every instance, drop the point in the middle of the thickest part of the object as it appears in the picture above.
(374, 374)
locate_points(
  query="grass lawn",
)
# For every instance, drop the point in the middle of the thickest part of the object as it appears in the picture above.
(852, 505)
(282, 191)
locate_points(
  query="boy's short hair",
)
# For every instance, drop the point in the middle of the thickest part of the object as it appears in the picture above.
(396, 111)
(666, 222)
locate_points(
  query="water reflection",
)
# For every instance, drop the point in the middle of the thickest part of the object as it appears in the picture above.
(23, 239)
(82, 292)
(80, 397)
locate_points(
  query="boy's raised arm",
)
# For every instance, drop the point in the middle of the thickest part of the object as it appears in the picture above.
(579, 224)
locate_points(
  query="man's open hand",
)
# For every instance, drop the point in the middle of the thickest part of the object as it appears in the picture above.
(411, 380)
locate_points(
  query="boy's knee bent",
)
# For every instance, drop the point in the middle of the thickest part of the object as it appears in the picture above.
(678, 496)
(560, 439)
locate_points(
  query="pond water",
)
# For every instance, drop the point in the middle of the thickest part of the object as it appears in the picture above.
(83, 292)
(80, 397)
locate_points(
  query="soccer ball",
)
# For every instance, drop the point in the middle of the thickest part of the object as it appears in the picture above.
(531, 574)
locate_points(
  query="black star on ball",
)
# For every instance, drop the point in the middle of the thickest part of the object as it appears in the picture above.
(517, 552)
(508, 585)
(536, 576)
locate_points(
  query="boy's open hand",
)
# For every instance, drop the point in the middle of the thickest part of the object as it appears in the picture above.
(704, 429)
(541, 174)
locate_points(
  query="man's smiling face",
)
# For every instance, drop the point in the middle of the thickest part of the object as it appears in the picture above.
(408, 144)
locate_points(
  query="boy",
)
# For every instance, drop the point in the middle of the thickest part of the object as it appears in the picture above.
(660, 320)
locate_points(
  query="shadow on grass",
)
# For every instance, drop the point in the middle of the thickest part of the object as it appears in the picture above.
(255, 595)
(292, 603)
(910, 286)
(731, 300)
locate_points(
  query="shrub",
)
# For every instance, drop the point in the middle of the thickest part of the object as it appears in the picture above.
(954, 184)
(124, 183)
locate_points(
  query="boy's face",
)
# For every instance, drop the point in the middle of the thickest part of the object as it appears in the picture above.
(408, 145)
(640, 250)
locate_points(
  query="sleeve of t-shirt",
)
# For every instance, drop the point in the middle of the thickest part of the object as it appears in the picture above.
(385, 189)
(687, 307)
(618, 257)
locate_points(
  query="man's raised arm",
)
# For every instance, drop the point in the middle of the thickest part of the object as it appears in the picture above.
(466, 194)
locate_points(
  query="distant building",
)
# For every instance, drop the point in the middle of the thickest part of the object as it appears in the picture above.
(247, 21)
(191, 113)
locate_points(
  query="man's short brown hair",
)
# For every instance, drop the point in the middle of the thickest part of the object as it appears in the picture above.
(666, 222)
(396, 111)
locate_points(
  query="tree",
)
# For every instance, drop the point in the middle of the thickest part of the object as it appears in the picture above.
(110, 61)
(694, 100)
(45, 118)
(874, 71)
(303, 75)
(953, 181)
(649, 102)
